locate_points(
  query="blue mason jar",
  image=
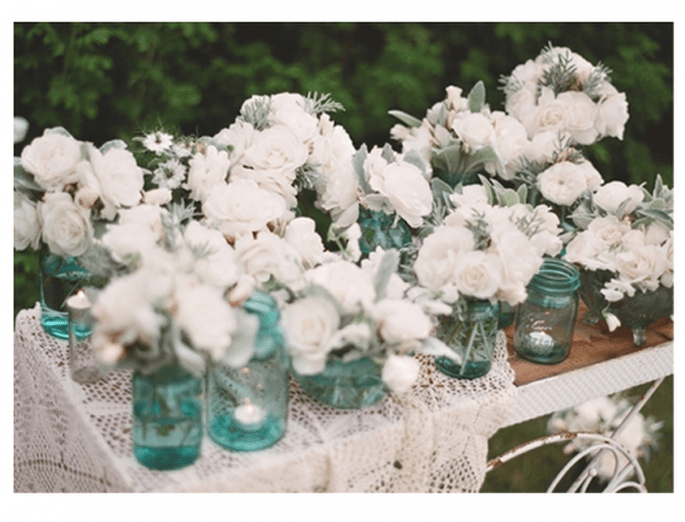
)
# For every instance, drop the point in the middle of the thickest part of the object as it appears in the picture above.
(472, 336)
(379, 230)
(59, 278)
(247, 407)
(167, 418)
(348, 385)
(546, 319)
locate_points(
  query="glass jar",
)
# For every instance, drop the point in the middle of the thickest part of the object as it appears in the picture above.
(167, 418)
(380, 230)
(472, 334)
(83, 365)
(59, 278)
(247, 407)
(349, 385)
(546, 319)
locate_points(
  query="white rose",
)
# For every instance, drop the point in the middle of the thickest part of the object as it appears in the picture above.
(206, 172)
(438, 255)
(551, 114)
(474, 130)
(401, 323)
(547, 239)
(610, 196)
(471, 195)
(332, 148)
(396, 287)
(613, 114)
(542, 147)
(27, 229)
(268, 255)
(158, 196)
(291, 115)
(400, 373)
(641, 265)
(581, 116)
(278, 151)
(219, 265)
(656, 233)
(205, 316)
(478, 274)
(584, 249)
(241, 207)
(301, 234)
(375, 163)
(351, 286)
(562, 183)
(119, 179)
(21, 127)
(52, 159)
(407, 190)
(609, 230)
(521, 103)
(309, 325)
(593, 179)
(238, 136)
(511, 140)
(668, 249)
(454, 98)
(67, 229)
(418, 139)
(131, 241)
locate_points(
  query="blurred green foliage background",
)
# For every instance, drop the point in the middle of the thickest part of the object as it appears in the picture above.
(114, 80)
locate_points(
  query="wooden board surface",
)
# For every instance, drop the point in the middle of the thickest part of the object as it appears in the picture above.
(591, 344)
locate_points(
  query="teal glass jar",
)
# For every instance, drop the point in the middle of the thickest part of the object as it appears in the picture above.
(380, 230)
(546, 319)
(59, 278)
(471, 333)
(167, 418)
(348, 385)
(247, 407)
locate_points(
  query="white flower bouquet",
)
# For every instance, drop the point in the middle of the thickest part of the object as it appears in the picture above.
(560, 91)
(603, 416)
(624, 247)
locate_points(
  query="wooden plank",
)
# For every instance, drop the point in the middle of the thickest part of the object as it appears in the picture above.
(591, 345)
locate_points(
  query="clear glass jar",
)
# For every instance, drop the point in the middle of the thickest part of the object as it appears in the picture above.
(546, 319)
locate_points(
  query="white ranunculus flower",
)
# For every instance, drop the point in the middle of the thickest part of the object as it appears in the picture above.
(475, 130)
(242, 208)
(309, 325)
(206, 172)
(27, 230)
(67, 229)
(301, 234)
(407, 190)
(219, 265)
(562, 183)
(478, 274)
(581, 116)
(205, 316)
(401, 323)
(436, 261)
(52, 159)
(119, 178)
(610, 196)
(348, 283)
(400, 373)
(641, 265)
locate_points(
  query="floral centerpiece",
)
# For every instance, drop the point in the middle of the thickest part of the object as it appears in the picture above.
(604, 416)
(624, 247)
(560, 91)
(352, 330)
(65, 191)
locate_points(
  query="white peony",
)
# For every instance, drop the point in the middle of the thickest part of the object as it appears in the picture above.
(562, 183)
(400, 373)
(478, 274)
(66, 227)
(27, 230)
(206, 172)
(119, 179)
(610, 196)
(242, 208)
(309, 325)
(52, 159)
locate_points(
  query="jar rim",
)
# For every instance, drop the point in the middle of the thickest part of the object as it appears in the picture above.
(556, 276)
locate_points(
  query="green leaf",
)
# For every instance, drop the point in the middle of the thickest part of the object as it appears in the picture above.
(387, 153)
(113, 144)
(523, 193)
(405, 118)
(477, 97)
(358, 163)
(414, 157)
(448, 159)
(440, 189)
(386, 268)
(508, 198)
(475, 160)
(23, 180)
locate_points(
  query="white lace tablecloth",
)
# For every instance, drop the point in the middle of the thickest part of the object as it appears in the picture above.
(70, 437)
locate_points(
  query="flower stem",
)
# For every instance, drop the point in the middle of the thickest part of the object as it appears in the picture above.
(469, 348)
